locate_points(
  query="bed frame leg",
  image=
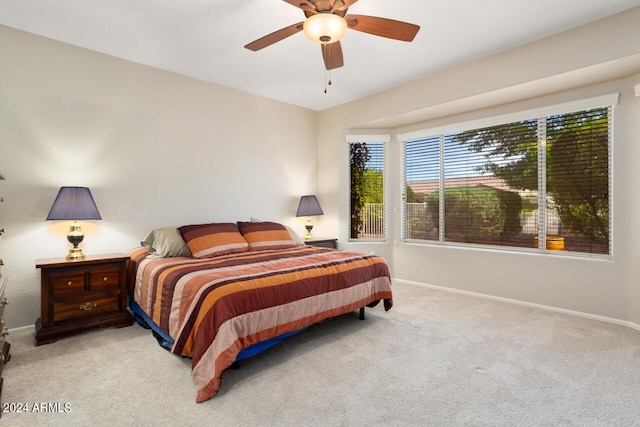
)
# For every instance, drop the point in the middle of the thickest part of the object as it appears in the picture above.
(361, 316)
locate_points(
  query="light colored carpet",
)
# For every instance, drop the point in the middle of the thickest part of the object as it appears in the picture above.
(436, 358)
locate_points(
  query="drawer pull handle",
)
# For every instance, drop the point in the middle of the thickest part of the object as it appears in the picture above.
(4, 301)
(88, 306)
(1, 262)
(105, 278)
(69, 283)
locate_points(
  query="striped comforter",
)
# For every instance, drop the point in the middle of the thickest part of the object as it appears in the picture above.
(213, 308)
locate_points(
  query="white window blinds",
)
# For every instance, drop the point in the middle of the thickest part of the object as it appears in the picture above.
(367, 190)
(508, 184)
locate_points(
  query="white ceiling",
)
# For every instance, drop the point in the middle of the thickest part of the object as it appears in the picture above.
(205, 39)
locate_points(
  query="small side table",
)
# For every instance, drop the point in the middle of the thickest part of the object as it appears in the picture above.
(323, 243)
(81, 294)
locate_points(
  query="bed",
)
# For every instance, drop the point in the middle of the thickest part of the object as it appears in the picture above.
(218, 293)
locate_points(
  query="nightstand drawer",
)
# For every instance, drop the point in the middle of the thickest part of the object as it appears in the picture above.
(72, 282)
(65, 283)
(86, 307)
(105, 276)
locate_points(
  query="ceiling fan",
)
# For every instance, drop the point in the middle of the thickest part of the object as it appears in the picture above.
(327, 21)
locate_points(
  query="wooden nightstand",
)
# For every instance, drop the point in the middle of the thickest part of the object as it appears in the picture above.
(81, 294)
(323, 243)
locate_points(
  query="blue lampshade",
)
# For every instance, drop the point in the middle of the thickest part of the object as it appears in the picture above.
(74, 203)
(309, 206)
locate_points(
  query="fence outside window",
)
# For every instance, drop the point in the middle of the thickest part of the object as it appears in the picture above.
(373, 221)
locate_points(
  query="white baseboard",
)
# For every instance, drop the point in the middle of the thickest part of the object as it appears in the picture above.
(23, 329)
(605, 319)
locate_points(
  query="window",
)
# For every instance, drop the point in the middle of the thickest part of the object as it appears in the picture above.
(367, 201)
(511, 182)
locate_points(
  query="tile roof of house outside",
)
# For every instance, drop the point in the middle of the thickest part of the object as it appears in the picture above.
(430, 185)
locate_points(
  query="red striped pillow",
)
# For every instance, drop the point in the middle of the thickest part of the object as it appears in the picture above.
(210, 240)
(266, 235)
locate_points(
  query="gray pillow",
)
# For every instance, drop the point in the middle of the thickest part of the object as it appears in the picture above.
(165, 242)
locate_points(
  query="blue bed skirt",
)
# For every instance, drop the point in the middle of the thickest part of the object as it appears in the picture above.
(166, 341)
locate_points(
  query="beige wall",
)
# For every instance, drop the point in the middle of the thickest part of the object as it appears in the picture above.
(594, 60)
(156, 149)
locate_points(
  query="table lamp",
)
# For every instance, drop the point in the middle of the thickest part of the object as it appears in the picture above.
(309, 207)
(74, 204)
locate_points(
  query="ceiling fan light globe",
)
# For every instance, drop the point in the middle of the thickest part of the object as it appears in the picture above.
(325, 28)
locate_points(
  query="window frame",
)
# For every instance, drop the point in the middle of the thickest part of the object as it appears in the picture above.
(385, 139)
(609, 100)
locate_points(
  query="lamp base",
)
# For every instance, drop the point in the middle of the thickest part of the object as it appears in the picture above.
(75, 254)
(74, 237)
(309, 227)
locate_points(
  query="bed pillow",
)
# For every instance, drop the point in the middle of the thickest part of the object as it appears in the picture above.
(266, 235)
(165, 242)
(210, 240)
(295, 236)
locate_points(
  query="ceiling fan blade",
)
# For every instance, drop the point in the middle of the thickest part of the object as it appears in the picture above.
(383, 27)
(332, 54)
(340, 7)
(302, 4)
(343, 4)
(274, 37)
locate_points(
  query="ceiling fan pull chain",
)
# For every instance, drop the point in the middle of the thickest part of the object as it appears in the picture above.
(325, 80)
(327, 73)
